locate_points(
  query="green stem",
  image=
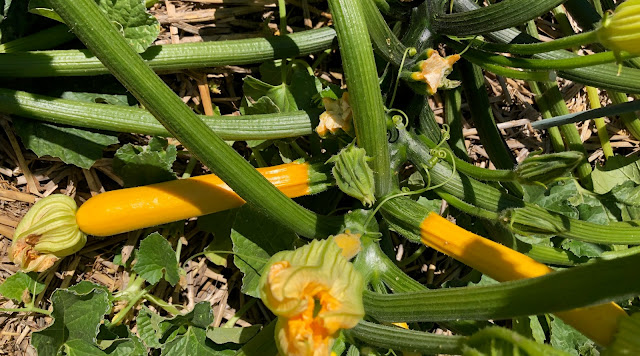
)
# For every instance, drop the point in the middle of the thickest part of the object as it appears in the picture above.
(453, 117)
(513, 73)
(601, 126)
(134, 120)
(629, 118)
(364, 91)
(554, 133)
(533, 48)
(232, 321)
(384, 40)
(104, 40)
(44, 39)
(550, 100)
(161, 303)
(171, 57)
(390, 337)
(540, 64)
(28, 309)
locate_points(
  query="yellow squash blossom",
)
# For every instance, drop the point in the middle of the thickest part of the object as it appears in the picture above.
(434, 70)
(315, 291)
(337, 116)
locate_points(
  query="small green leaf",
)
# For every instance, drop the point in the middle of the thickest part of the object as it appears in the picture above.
(232, 335)
(73, 146)
(156, 259)
(194, 343)
(582, 249)
(111, 99)
(120, 341)
(568, 339)
(219, 224)
(138, 165)
(150, 327)
(21, 285)
(255, 238)
(131, 18)
(77, 316)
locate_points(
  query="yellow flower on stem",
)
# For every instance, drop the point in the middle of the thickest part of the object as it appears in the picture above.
(315, 291)
(598, 322)
(337, 116)
(433, 71)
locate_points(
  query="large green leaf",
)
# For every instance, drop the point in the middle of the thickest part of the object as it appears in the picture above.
(194, 343)
(616, 171)
(73, 146)
(77, 317)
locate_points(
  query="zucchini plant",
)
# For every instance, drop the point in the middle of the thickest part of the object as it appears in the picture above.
(337, 202)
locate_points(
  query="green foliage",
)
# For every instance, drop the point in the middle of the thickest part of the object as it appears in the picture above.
(143, 165)
(568, 339)
(21, 286)
(183, 334)
(77, 318)
(218, 224)
(156, 260)
(130, 17)
(616, 171)
(255, 238)
(81, 148)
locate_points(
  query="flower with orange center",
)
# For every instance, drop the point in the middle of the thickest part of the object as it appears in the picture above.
(315, 291)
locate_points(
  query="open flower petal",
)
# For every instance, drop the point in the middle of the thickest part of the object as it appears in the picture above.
(337, 116)
(315, 292)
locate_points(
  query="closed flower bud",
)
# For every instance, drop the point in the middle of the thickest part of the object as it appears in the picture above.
(548, 167)
(353, 174)
(621, 31)
(47, 233)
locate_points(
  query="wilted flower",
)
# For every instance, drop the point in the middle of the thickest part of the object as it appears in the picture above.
(349, 243)
(47, 233)
(315, 291)
(621, 30)
(337, 115)
(433, 72)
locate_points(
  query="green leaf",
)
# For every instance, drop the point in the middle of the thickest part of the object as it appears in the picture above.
(617, 170)
(149, 327)
(156, 331)
(305, 88)
(280, 95)
(501, 341)
(77, 316)
(21, 286)
(233, 335)
(582, 249)
(111, 99)
(131, 18)
(138, 165)
(194, 343)
(264, 105)
(73, 146)
(156, 259)
(219, 224)
(81, 348)
(626, 340)
(120, 341)
(568, 339)
(255, 238)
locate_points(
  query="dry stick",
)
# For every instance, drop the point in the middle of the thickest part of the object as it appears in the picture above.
(6, 231)
(171, 11)
(32, 183)
(13, 195)
(205, 94)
